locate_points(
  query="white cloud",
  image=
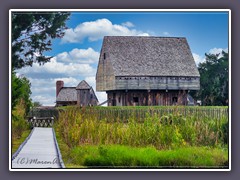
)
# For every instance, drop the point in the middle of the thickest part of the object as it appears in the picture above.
(81, 56)
(218, 51)
(50, 83)
(91, 81)
(45, 100)
(68, 82)
(54, 67)
(43, 90)
(128, 24)
(95, 30)
(197, 58)
(64, 56)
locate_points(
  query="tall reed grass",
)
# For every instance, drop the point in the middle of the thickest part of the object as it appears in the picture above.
(163, 131)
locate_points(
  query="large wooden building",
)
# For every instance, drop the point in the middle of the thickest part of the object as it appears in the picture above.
(82, 95)
(136, 70)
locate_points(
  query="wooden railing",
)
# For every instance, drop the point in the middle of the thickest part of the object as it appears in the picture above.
(41, 121)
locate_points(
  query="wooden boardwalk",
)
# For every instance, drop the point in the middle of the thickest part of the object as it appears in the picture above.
(40, 150)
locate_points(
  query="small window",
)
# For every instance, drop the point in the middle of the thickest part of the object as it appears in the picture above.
(135, 99)
(174, 100)
(104, 55)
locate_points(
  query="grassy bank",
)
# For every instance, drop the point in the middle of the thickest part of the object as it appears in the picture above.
(16, 142)
(166, 140)
(117, 156)
(20, 128)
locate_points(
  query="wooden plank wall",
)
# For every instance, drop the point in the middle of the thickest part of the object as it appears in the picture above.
(147, 98)
(171, 83)
(86, 98)
(105, 79)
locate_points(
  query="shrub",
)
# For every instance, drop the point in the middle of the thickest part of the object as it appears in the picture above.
(19, 124)
(18, 127)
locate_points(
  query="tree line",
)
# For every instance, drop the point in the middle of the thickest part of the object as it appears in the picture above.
(214, 80)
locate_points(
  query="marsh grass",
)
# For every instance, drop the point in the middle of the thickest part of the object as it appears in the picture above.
(165, 130)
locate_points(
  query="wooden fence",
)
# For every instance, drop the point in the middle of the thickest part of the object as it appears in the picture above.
(140, 114)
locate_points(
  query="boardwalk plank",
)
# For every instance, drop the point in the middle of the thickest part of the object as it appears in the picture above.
(39, 151)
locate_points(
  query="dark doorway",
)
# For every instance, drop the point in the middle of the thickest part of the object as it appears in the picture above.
(135, 101)
(174, 100)
(114, 99)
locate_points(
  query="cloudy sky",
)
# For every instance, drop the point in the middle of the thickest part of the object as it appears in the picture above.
(76, 54)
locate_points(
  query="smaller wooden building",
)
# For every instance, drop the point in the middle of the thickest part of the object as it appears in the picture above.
(82, 95)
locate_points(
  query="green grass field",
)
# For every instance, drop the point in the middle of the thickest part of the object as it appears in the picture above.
(117, 156)
(167, 133)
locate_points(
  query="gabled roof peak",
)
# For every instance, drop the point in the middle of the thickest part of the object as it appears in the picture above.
(83, 85)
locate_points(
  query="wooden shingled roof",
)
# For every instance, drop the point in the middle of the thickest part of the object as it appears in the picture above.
(70, 93)
(67, 94)
(149, 56)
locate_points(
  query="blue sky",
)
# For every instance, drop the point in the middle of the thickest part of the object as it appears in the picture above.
(75, 56)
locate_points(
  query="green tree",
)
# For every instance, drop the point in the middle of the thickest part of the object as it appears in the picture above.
(21, 92)
(214, 80)
(36, 104)
(32, 34)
